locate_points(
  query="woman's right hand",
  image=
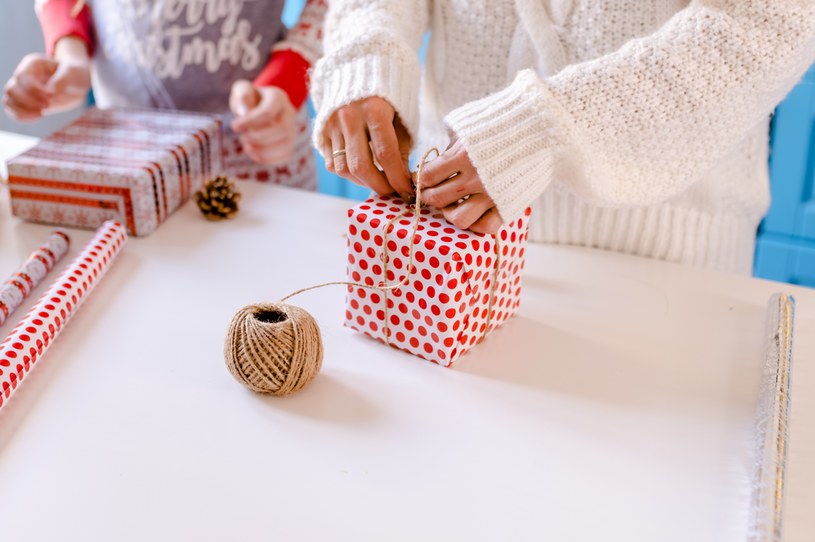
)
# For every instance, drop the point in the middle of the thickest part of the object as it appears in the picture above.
(366, 143)
(42, 84)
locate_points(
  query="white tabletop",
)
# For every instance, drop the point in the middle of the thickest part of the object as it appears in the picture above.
(617, 406)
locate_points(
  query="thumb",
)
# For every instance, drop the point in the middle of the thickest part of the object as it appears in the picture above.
(39, 68)
(243, 97)
(405, 143)
(45, 68)
(66, 80)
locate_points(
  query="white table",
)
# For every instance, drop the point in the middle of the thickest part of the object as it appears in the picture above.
(617, 406)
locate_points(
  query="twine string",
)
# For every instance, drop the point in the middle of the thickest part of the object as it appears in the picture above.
(383, 285)
(388, 226)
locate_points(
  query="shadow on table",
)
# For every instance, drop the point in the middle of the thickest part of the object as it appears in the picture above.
(327, 398)
(630, 369)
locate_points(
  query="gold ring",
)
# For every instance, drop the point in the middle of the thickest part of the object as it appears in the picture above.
(338, 152)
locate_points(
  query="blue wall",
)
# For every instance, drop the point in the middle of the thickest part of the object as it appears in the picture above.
(785, 248)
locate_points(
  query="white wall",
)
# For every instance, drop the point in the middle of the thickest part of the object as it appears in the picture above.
(20, 34)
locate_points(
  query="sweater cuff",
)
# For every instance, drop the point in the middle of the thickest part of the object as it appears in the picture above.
(289, 71)
(514, 141)
(389, 77)
(58, 21)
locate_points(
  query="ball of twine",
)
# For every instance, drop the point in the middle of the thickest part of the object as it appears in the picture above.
(273, 348)
(276, 348)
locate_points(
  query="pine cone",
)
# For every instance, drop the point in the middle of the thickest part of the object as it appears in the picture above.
(218, 199)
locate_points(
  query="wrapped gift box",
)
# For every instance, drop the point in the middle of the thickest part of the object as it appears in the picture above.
(135, 166)
(462, 285)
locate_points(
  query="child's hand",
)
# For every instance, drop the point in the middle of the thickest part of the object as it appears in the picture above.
(41, 85)
(265, 121)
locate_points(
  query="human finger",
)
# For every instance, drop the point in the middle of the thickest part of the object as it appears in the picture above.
(452, 190)
(469, 211)
(360, 161)
(386, 151)
(490, 222)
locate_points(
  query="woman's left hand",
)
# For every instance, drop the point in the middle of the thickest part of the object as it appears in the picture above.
(451, 183)
(265, 121)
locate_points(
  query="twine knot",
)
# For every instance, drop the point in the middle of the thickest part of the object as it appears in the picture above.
(276, 348)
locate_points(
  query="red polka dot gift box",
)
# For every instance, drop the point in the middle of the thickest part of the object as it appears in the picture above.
(460, 287)
(136, 166)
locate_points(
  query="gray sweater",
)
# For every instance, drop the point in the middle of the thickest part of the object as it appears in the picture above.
(180, 54)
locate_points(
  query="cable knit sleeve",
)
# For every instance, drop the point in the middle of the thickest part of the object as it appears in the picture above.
(696, 87)
(371, 49)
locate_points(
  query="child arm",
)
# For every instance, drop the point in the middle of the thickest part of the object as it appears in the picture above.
(293, 56)
(62, 18)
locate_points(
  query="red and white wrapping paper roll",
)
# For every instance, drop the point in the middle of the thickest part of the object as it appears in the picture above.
(31, 273)
(28, 341)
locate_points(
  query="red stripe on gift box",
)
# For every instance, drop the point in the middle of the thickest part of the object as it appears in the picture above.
(71, 200)
(183, 175)
(163, 184)
(187, 175)
(204, 152)
(123, 193)
(112, 161)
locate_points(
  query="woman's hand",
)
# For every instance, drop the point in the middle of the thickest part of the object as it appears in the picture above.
(42, 85)
(366, 143)
(265, 120)
(451, 183)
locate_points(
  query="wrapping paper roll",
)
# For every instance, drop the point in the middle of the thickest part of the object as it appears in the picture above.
(31, 273)
(28, 341)
(772, 424)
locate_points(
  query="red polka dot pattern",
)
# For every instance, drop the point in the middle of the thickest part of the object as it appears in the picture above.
(28, 341)
(443, 309)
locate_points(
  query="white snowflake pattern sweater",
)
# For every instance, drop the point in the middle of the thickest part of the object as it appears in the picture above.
(633, 126)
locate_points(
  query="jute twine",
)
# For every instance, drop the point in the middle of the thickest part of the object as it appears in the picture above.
(273, 348)
(276, 348)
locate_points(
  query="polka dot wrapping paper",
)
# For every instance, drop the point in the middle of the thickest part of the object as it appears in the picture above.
(136, 166)
(31, 273)
(29, 340)
(461, 286)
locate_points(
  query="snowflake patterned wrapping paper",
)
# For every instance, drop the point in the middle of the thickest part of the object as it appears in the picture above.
(132, 165)
(33, 270)
(28, 341)
(448, 303)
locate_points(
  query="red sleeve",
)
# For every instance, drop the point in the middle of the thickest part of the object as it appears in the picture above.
(289, 71)
(57, 22)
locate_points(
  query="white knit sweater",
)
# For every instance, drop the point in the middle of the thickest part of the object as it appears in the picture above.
(642, 126)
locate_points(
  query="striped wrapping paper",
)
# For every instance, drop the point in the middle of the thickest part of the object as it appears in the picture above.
(132, 165)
